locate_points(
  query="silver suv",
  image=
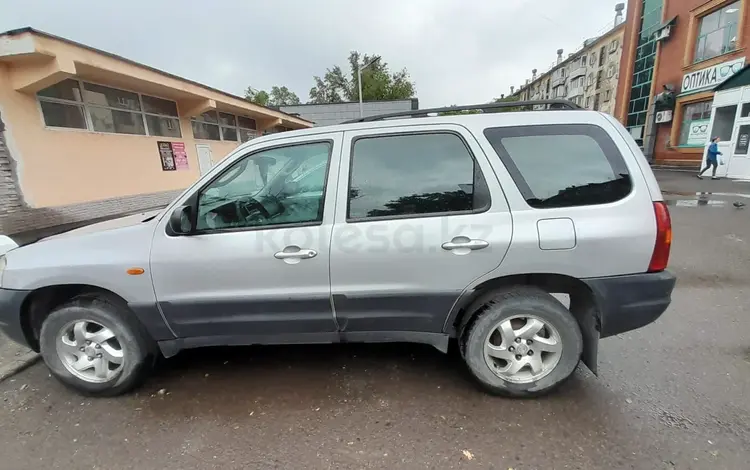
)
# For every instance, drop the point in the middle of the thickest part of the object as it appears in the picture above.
(398, 228)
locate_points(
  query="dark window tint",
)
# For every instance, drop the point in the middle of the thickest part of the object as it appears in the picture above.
(562, 165)
(414, 174)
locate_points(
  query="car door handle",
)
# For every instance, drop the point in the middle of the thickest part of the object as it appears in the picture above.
(464, 242)
(298, 254)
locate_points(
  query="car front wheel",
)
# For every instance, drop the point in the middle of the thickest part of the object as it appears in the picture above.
(522, 343)
(96, 346)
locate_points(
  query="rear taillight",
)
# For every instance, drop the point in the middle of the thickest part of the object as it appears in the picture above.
(660, 258)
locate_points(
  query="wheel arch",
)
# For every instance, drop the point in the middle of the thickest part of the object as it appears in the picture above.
(42, 301)
(583, 306)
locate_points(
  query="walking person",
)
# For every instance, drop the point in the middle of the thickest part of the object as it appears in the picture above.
(712, 159)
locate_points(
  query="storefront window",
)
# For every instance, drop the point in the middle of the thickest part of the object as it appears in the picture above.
(717, 33)
(695, 120)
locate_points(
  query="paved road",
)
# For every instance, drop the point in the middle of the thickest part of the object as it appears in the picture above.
(673, 395)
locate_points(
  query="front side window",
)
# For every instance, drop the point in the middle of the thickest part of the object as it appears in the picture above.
(717, 32)
(694, 127)
(562, 165)
(273, 187)
(414, 175)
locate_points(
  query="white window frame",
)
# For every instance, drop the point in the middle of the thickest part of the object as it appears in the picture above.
(218, 123)
(87, 116)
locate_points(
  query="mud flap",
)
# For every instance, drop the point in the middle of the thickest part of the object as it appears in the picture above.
(587, 316)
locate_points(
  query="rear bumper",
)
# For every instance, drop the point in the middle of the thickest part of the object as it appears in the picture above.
(10, 314)
(629, 302)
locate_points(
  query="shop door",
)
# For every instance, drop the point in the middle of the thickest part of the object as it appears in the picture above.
(738, 165)
(723, 120)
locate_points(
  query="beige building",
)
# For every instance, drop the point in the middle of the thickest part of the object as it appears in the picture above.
(87, 134)
(587, 77)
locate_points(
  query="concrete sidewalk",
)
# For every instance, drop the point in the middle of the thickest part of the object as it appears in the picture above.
(684, 183)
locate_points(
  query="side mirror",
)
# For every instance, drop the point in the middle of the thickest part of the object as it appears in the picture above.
(180, 220)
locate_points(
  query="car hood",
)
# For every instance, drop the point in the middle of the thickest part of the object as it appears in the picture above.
(122, 222)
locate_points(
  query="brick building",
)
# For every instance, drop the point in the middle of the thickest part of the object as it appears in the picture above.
(86, 134)
(688, 47)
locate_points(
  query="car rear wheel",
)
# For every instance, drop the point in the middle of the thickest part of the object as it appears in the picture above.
(96, 346)
(521, 343)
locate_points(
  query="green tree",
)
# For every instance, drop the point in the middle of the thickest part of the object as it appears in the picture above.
(378, 82)
(279, 96)
(282, 96)
(256, 96)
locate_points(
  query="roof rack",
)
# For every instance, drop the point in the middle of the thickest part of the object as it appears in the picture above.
(485, 108)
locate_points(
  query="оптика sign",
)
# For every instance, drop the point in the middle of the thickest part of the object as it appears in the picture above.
(710, 77)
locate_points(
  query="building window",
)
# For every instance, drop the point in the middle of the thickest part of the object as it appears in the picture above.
(223, 126)
(694, 126)
(62, 105)
(161, 117)
(602, 55)
(592, 59)
(613, 46)
(717, 32)
(81, 105)
(607, 95)
(588, 101)
(643, 71)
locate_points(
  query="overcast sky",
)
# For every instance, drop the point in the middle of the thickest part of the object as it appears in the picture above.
(457, 51)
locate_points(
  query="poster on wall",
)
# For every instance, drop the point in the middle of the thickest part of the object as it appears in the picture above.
(698, 133)
(166, 155)
(180, 155)
(743, 140)
(173, 156)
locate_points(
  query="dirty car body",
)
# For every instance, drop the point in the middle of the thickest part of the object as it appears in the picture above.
(404, 230)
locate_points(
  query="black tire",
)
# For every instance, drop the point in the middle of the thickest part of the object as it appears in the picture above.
(140, 351)
(506, 303)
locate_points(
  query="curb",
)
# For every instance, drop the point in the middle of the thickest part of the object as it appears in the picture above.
(20, 364)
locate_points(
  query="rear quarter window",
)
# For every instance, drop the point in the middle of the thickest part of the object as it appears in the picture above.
(562, 165)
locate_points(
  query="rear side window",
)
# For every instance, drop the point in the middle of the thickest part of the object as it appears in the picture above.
(562, 165)
(414, 175)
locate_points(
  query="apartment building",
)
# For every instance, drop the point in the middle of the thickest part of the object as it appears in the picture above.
(587, 77)
(87, 134)
(693, 52)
